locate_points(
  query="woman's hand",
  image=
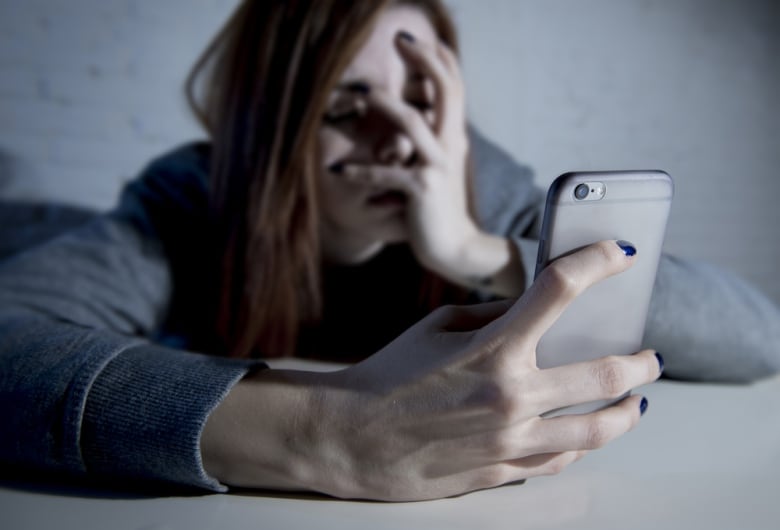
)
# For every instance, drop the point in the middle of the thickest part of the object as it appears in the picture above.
(442, 233)
(451, 406)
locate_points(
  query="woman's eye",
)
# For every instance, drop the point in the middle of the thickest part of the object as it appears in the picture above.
(335, 118)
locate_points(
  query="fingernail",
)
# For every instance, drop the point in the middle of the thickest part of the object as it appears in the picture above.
(627, 247)
(337, 168)
(660, 362)
(405, 35)
(643, 406)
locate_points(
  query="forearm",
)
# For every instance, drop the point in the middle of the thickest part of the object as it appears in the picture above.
(487, 263)
(97, 403)
(43, 388)
(267, 433)
(145, 412)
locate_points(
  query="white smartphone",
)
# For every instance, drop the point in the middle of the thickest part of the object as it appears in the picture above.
(609, 317)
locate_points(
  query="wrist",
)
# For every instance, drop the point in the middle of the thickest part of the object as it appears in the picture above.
(485, 262)
(445, 253)
(259, 436)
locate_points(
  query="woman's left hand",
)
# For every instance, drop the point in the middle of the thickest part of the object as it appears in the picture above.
(442, 234)
(435, 182)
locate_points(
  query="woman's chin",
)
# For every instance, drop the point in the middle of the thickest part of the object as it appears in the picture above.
(393, 232)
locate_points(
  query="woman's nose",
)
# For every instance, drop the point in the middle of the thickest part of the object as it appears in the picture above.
(394, 148)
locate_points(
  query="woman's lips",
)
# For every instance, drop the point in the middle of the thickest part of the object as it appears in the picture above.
(388, 198)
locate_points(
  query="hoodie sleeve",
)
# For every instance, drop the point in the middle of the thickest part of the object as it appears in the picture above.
(82, 387)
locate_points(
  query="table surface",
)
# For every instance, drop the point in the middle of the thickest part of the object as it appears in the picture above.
(704, 456)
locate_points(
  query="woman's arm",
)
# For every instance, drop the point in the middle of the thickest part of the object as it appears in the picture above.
(82, 390)
(452, 405)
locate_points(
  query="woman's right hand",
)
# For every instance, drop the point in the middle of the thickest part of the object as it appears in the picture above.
(452, 405)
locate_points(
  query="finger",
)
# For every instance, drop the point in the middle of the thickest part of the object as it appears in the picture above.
(409, 120)
(453, 115)
(434, 59)
(560, 434)
(545, 463)
(579, 432)
(605, 378)
(556, 287)
(522, 435)
(436, 64)
(520, 469)
(380, 176)
(431, 113)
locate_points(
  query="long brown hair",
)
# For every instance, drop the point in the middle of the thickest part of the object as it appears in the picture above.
(260, 90)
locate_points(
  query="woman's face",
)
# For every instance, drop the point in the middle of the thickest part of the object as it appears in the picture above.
(358, 219)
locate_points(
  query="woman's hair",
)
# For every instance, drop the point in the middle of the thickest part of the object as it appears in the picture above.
(260, 91)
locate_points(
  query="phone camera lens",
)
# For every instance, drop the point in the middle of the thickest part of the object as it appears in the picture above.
(581, 191)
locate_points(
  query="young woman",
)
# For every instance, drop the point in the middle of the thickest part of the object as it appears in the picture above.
(330, 145)
(341, 198)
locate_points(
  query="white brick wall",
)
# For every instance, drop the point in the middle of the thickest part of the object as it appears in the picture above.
(90, 90)
(689, 86)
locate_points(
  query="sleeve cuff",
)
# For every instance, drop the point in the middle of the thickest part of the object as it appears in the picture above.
(145, 412)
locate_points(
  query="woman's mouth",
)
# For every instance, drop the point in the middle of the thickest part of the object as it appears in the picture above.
(388, 198)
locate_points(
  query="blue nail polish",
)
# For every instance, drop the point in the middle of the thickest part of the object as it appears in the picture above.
(405, 35)
(642, 406)
(660, 362)
(627, 247)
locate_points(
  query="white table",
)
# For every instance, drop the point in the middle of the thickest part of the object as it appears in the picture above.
(703, 457)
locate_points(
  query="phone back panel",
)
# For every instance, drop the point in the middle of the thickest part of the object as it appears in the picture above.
(609, 317)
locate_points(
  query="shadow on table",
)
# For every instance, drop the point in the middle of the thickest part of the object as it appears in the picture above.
(77, 486)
